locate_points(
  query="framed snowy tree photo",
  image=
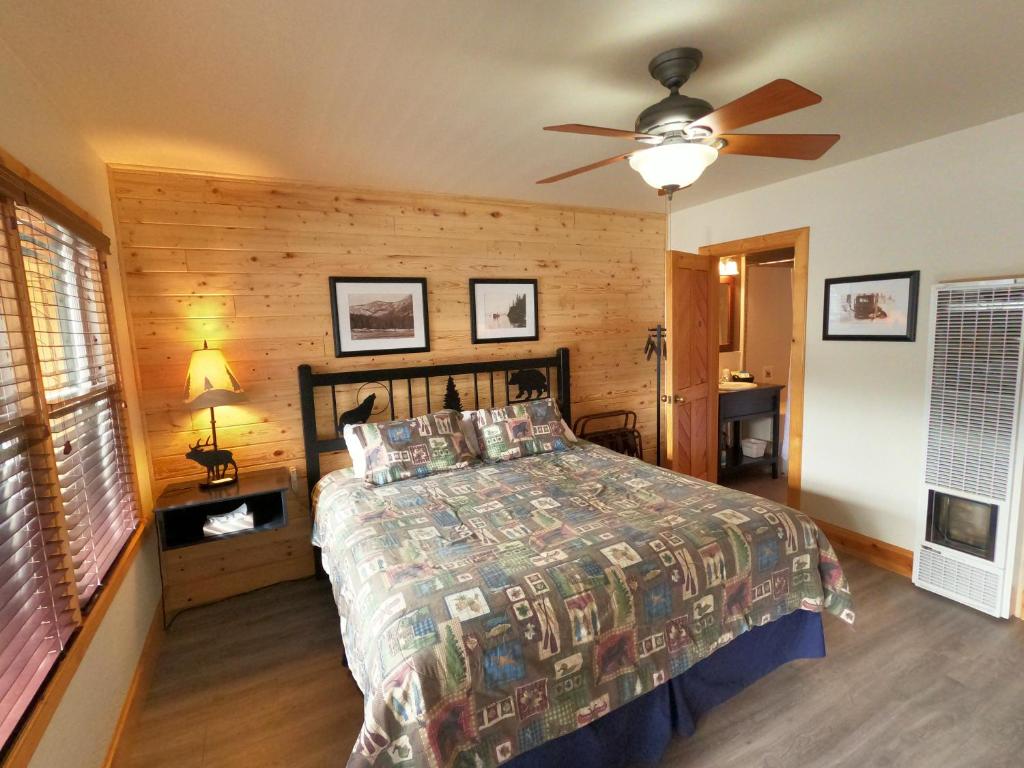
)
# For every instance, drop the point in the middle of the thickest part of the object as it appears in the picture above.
(503, 310)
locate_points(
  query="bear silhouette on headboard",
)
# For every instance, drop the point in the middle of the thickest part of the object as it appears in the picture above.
(531, 382)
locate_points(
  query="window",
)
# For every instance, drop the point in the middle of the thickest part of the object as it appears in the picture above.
(76, 360)
(67, 498)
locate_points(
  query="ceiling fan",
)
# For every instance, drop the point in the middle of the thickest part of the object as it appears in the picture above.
(685, 135)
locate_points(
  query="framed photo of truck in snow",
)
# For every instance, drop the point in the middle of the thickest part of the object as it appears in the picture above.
(871, 307)
(379, 315)
(503, 310)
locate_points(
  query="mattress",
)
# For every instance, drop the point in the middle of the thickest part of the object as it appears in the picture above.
(488, 610)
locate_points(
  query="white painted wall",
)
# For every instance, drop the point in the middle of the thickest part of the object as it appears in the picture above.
(33, 129)
(769, 299)
(952, 207)
(768, 311)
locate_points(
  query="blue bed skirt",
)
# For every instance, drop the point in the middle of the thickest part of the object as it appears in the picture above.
(638, 733)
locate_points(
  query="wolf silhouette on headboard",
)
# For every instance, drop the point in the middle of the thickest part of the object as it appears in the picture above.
(358, 415)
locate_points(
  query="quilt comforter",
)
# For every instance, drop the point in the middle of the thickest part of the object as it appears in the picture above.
(490, 609)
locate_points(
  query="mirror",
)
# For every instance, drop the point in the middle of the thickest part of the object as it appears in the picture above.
(726, 329)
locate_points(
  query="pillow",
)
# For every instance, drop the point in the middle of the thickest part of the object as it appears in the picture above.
(355, 450)
(398, 450)
(469, 430)
(569, 434)
(520, 429)
(474, 445)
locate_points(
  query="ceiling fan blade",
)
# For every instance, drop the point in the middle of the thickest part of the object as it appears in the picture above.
(776, 98)
(585, 168)
(595, 130)
(795, 146)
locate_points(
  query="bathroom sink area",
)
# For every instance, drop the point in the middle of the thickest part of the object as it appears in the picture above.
(732, 386)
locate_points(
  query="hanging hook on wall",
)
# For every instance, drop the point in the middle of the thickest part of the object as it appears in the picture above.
(658, 332)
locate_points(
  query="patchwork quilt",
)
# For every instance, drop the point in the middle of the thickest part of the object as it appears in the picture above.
(487, 610)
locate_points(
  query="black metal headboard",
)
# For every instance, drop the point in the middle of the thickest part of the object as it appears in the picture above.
(395, 380)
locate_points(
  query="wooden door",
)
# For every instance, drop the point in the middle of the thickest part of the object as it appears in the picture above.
(691, 402)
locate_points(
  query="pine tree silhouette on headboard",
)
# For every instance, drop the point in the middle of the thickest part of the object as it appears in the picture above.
(451, 396)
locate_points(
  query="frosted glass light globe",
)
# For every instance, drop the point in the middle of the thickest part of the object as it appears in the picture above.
(677, 164)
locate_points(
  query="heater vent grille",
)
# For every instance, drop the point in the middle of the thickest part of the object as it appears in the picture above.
(957, 578)
(975, 388)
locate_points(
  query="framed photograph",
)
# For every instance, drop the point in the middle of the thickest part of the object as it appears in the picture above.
(379, 315)
(871, 307)
(503, 310)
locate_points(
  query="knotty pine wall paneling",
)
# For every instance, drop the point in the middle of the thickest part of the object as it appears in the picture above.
(244, 264)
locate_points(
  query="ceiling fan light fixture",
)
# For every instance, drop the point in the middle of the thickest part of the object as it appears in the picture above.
(678, 164)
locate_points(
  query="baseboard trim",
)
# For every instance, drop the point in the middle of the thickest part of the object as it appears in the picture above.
(874, 551)
(139, 686)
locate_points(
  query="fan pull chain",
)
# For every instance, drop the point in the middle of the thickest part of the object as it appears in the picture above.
(668, 223)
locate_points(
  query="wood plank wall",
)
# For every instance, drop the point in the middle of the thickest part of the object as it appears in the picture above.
(244, 264)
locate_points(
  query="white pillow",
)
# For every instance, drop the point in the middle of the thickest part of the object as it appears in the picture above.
(469, 431)
(355, 450)
(569, 434)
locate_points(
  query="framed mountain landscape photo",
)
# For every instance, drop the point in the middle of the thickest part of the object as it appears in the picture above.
(503, 310)
(379, 315)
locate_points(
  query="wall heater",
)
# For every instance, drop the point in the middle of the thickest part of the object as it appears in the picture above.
(974, 460)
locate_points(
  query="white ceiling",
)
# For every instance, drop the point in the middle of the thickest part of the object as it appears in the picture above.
(450, 95)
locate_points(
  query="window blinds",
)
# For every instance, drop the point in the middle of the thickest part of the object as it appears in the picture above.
(79, 375)
(38, 606)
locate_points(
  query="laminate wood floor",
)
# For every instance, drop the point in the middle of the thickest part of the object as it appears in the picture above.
(761, 484)
(256, 682)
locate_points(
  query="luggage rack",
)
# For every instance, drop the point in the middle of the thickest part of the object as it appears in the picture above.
(621, 438)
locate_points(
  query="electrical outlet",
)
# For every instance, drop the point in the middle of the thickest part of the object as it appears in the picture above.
(767, 372)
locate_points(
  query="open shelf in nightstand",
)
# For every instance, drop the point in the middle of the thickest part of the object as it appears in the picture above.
(183, 508)
(184, 527)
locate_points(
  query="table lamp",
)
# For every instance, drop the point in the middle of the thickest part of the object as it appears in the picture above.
(211, 382)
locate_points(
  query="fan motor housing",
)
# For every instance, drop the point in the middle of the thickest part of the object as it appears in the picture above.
(673, 113)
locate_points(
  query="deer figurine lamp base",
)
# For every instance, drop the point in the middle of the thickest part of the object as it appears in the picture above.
(216, 461)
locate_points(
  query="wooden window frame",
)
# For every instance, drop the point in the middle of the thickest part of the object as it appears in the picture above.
(21, 185)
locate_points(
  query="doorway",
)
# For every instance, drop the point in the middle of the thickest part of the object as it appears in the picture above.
(764, 279)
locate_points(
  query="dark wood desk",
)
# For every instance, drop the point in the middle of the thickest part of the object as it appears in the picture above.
(735, 407)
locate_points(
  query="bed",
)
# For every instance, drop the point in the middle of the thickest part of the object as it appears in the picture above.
(576, 605)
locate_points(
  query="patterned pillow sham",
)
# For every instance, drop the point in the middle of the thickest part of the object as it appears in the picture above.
(425, 445)
(520, 429)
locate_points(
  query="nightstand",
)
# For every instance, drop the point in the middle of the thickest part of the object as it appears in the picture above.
(199, 568)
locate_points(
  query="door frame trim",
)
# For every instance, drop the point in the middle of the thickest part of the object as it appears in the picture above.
(799, 241)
